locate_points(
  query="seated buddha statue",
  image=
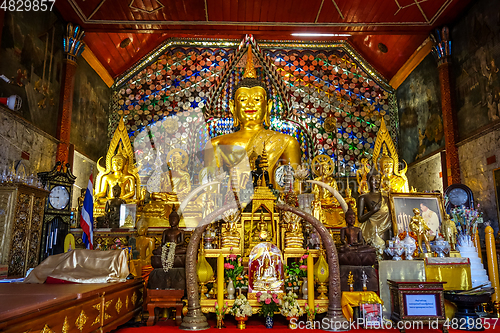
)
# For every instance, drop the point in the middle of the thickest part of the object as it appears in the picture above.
(265, 278)
(175, 183)
(251, 110)
(173, 248)
(326, 176)
(390, 181)
(118, 176)
(119, 169)
(231, 236)
(353, 250)
(294, 237)
(261, 233)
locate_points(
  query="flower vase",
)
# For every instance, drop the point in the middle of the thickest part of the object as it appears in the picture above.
(269, 322)
(230, 289)
(241, 322)
(304, 289)
(292, 325)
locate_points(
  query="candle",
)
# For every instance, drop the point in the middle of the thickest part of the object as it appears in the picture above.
(310, 281)
(220, 280)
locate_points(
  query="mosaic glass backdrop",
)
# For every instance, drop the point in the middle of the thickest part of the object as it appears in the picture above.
(174, 89)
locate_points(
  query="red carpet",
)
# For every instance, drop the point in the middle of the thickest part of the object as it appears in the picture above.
(256, 324)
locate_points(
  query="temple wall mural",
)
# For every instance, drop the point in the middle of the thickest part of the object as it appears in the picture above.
(476, 57)
(89, 119)
(425, 175)
(419, 104)
(31, 53)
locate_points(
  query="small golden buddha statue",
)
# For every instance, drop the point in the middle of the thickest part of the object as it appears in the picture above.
(294, 237)
(420, 228)
(251, 110)
(449, 230)
(261, 232)
(231, 236)
(392, 179)
(119, 176)
(175, 183)
(325, 174)
(362, 176)
(144, 245)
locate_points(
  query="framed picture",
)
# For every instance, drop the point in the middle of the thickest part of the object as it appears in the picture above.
(127, 215)
(372, 315)
(496, 182)
(430, 206)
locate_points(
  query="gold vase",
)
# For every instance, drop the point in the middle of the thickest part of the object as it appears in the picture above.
(220, 321)
(241, 322)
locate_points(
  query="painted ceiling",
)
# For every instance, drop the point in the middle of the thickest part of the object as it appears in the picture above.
(384, 32)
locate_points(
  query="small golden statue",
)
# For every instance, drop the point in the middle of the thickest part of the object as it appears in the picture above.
(350, 281)
(420, 228)
(262, 231)
(449, 230)
(361, 176)
(323, 167)
(294, 237)
(231, 236)
(393, 179)
(145, 246)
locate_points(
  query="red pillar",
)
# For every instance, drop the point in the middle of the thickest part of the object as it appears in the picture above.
(442, 52)
(73, 47)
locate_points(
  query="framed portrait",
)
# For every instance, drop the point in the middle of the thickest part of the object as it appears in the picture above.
(372, 315)
(496, 182)
(127, 215)
(430, 206)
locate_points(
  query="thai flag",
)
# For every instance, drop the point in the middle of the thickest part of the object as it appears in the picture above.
(87, 217)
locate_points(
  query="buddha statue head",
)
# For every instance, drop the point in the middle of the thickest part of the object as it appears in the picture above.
(350, 216)
(250, 104)
(374, 182)
(174, 218)
(118, 162)
(176, 161)
(117, 191)
(386, 163)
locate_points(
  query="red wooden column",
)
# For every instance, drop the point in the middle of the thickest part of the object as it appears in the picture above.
(73, 46)
(442, 52)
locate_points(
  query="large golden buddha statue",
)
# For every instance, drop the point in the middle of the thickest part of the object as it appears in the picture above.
(251, 109)
(119, 170)
(175, 183)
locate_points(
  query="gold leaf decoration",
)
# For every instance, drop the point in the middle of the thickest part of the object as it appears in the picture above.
(126, 302)
(46, 329)
(81, 320)
(98, 318)
(134, 298)
(118, 305)
(65, 327)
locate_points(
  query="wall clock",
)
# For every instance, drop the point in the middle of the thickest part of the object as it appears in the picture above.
(458, 195)
(57, 214)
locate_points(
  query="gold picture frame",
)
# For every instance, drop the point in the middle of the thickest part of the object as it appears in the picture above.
(402, 204)
(496, 183)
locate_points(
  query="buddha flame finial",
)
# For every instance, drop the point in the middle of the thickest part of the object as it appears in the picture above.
(249, 67)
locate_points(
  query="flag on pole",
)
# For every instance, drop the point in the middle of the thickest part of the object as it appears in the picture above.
(87, 217)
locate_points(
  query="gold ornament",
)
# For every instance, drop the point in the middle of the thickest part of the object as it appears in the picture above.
(118, 305)
(65, 327)
(134, 298)
(330, 124)
(322, 165)
(46, 329)
(249, 67)
(81, 320)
